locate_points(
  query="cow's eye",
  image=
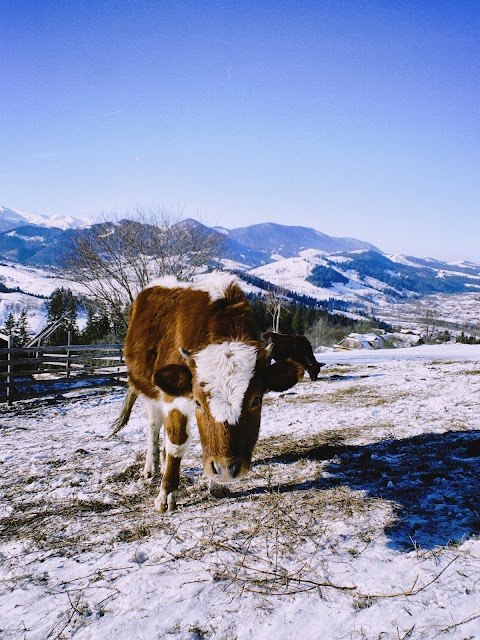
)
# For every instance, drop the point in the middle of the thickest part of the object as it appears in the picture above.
(256, 401)
(198, 404)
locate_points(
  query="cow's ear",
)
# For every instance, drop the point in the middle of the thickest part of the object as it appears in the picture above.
(282, 375)
(174, 379)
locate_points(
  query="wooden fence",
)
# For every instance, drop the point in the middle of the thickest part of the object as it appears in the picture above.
(45, 371)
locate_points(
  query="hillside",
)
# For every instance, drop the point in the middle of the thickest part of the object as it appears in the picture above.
(14, 218)
(288, 241)
(338, 272)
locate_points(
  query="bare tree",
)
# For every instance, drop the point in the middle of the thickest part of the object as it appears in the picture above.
(117, 257)
(275, 302)
(429, 324)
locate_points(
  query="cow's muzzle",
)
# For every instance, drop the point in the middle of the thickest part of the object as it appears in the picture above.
(223, 471)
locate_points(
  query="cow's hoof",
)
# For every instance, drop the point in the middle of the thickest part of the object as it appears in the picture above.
(166, 501)
(219, 490)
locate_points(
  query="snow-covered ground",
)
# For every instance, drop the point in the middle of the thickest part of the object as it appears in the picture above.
(455, 312)
(360, 517)
(291, 273)
(35, 286)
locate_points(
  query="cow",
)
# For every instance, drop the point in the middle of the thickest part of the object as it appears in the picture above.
(193, 349)
(295, 347)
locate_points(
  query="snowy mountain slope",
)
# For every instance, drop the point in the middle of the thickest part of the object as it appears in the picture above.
(35, 286)
(35, 246)
(288, 240)
(358, 519)
(298, 259)
(292, 274)
(455, 312)
(35, 281)
(13, 218)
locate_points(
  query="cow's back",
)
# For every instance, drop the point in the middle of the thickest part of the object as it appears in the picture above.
(163, 320)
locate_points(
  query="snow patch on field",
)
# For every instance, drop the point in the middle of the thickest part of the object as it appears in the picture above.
(359, 518)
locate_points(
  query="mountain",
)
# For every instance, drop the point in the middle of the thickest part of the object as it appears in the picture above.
(34, 245)
(14, 218)
(363, 279)
(295, 258)
(287, 241)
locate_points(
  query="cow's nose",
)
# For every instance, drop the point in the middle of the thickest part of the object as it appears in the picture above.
(225, 472)
(234, 469)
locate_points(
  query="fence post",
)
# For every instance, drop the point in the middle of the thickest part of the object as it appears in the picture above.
(10, 385)
(69, 343)
(121, 361)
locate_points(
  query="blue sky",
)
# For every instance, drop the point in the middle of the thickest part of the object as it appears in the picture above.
(358, 118)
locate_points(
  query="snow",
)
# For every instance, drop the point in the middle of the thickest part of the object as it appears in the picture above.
(399, 258)
(15, 234)
(464, 263)
(359, 518)
(58, 221)
(222, 230)
(34, 280)
(291, 273)
(36, 286)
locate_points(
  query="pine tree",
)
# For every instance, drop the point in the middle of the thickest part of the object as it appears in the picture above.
(62, 304)
(297, 320)
(98, 327)
(9, 326)
(21, 330)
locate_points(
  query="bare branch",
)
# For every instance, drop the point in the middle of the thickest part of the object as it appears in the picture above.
(118, 256)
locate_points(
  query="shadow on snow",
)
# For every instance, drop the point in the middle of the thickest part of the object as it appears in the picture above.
(432, 479)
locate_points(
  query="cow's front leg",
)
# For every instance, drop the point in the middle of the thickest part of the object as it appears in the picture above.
(177, 439)
(167, 498)
(153, 409)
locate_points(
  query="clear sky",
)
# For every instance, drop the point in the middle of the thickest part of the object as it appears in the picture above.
(358, 118)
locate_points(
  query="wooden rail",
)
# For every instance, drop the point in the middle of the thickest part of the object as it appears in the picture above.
(44, 371)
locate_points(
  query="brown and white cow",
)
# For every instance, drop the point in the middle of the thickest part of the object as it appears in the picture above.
(194, 350)
(296, 347)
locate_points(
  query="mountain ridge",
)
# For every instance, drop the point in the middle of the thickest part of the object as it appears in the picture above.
(292, 257)
(13, 218)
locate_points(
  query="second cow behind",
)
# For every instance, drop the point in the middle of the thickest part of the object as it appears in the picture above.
(295, 347)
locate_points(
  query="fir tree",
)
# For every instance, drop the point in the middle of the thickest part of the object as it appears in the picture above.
(98, 327)
(62, 304)
(9, 326)
(21, 330)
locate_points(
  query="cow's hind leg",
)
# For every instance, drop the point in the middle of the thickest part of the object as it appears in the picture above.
(153, 409)
(177, 415)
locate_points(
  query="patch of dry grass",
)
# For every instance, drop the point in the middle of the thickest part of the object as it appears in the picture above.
(361, 396)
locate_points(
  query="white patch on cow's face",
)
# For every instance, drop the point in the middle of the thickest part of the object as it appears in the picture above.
(184, 405)
(224, 371)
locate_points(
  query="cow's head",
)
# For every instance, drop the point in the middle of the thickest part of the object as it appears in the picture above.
(227, 382)
(316, 370)
(313, 369)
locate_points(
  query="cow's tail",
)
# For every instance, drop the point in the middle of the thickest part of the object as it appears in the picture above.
(124, 417)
